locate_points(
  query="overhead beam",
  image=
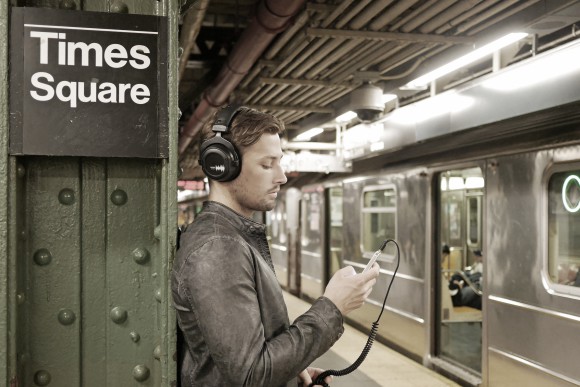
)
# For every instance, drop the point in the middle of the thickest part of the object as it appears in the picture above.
(304, 82)
(307, 109)
(388, 36)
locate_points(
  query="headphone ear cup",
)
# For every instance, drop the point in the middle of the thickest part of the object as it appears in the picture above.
(220, 159)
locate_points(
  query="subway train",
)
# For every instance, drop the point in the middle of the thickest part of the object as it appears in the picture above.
(501, 178)
(509, 188)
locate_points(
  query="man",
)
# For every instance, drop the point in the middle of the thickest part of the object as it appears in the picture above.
(463, 294)
(229, 304)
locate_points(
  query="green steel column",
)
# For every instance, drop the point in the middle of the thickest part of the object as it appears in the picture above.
(86, 247)
(5, 348)
(168, 222)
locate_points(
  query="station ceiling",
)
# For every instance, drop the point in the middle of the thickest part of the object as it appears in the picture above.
(306, 71)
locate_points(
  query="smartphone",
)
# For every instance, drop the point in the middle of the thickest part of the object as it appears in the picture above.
(372, 261)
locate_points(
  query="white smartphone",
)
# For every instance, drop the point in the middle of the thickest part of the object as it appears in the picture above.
(372, 261)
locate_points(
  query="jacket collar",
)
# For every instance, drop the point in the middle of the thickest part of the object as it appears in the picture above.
(241, 222)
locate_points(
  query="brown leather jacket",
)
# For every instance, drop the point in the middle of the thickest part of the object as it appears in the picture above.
(231, 310)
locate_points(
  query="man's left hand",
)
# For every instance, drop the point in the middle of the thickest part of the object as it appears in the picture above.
(310, 373)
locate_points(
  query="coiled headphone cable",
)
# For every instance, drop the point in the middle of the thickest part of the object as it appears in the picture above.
(319, 381)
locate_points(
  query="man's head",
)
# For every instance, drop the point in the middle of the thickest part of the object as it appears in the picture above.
(478, 255)
(256, 136)
(445, 250)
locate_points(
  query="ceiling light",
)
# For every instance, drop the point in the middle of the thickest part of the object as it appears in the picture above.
(423, 81)
(305, 136)
(544, 68)
(345, 117)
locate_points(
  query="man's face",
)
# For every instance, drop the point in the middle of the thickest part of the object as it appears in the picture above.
(255, 189)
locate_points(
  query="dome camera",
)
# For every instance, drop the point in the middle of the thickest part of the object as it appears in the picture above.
(367, 102)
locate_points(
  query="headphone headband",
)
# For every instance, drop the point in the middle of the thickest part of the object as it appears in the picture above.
(225, 117)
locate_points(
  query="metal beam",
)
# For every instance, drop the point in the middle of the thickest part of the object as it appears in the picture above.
(308, 109)
(304, 82)
(389, 36)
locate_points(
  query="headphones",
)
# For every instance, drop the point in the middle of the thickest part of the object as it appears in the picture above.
(219, 158)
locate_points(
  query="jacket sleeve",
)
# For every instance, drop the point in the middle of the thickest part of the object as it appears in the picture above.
(218, 283)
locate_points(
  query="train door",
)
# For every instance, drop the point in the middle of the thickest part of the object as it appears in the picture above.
(333, 222)
(459, 271)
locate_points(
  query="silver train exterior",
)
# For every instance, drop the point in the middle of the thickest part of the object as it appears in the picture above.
(510, 188)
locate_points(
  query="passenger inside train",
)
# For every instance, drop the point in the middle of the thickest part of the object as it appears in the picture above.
(465, 287)
(230, 305)
(569, 275)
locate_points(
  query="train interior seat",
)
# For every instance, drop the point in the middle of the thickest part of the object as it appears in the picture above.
(450, 313)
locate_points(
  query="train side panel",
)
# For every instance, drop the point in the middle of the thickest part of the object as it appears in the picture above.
(312, 242)
(404, 323)
(530, 325)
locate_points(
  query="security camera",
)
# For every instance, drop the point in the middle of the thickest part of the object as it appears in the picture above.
(367, 102)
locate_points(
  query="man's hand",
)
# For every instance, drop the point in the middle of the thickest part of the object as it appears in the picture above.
(310, 373)
(348, 290)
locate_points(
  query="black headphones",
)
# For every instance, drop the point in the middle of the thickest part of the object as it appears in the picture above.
(219, 158)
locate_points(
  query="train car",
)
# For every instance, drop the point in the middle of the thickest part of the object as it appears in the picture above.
(500, 180)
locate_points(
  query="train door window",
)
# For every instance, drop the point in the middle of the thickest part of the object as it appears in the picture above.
(379, 211)
(334, 239)
(473, 220)
(564, 231)
(459, 321)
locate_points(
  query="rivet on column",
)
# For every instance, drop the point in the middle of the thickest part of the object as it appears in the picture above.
(42, 378)
(119, 7)
(118, 315)
(158, 295)
(42, 257)
(141, 255)
(66, 196)
(141, 373)
(66, 316)
(135, 337)
(157, 352)
(67, 4)
(119, 197)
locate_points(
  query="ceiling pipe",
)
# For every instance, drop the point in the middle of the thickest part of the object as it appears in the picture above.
(272, 17)
(191, 25)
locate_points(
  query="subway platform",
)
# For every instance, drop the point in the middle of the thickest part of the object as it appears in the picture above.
(382, 367)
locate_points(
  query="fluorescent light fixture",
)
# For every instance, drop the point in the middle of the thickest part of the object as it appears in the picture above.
(389, 97)
(305, 136)
(424, 81)
(345, 117)
(355, 179)
(448, 102)
(542, 68)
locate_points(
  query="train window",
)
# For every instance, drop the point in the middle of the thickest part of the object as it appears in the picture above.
(474, 225)
(378, 218)
(564, 228)
(335, 237)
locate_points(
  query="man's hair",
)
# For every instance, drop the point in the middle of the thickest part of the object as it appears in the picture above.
(246, 128)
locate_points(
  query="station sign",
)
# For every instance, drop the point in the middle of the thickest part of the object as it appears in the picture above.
(88, 84)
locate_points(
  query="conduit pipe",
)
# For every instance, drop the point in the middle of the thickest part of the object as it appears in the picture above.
(191, 25)
(272, 16)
